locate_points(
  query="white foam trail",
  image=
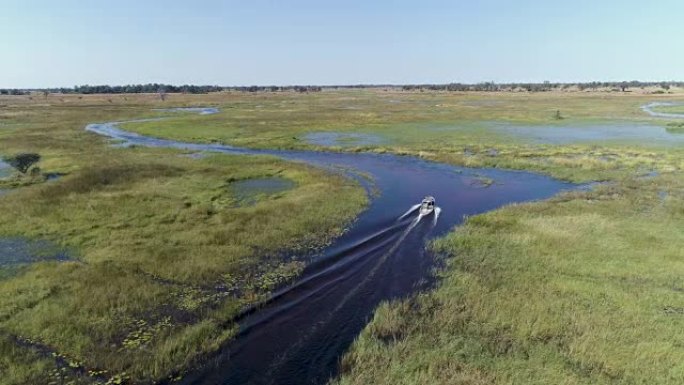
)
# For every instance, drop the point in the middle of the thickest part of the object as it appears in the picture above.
(437, 211)
(412, 209)
(408, 230)
(353, 291)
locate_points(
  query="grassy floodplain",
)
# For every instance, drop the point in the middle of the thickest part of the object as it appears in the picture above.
(450, 127)
(165, 251)
(584, 288)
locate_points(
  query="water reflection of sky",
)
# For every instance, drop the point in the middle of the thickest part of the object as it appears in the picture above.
(562, 134)
(5, 169)
(247, 192)
(342, 139)
(18, 251)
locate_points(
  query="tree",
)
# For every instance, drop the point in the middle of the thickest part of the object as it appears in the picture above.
(22, 162)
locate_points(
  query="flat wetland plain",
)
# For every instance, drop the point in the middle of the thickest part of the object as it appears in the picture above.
(584, 288)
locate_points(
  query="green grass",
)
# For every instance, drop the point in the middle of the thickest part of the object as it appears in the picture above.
(677, 128)
(583, 289)
(674, 109)
(165, 253)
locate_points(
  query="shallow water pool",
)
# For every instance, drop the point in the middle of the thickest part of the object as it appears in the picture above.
(599, 132)
(249, 191)
(5, 169)
(343, 139)
(18, 251)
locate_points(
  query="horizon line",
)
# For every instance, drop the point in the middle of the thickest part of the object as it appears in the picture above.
(359, 85)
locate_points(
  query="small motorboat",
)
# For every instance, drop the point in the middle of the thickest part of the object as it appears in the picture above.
(427, 206)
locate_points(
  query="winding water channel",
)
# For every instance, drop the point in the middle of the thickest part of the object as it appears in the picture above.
(300, 334)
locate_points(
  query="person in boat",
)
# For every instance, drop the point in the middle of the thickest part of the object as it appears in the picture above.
(427, 205)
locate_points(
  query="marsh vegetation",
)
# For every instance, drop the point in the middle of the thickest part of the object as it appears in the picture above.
(164, 253)
(584, 288)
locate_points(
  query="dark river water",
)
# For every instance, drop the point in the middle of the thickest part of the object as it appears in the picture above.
(300, 334)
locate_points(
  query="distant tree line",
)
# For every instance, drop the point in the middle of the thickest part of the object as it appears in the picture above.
(127, 89)
(140, 89)
(275, 88)
(12, 91)
(541, 87)
(157, 88)
(163, 89)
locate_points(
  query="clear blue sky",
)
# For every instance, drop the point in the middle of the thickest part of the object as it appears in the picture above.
(64, 43)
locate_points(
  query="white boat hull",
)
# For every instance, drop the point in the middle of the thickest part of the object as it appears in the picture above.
(427, 206)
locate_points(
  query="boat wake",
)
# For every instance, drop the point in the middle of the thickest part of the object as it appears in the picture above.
(438, 210)
(407, 213)
(414, 208)
(333, 267)
(329, 291)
